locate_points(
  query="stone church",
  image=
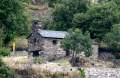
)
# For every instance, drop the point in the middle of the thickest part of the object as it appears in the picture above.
(49, 41)
(44, 40)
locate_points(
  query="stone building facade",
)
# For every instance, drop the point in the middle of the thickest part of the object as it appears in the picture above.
(45, 40)
(50, 41)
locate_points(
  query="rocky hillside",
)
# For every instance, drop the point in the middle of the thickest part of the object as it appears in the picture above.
(38, 9)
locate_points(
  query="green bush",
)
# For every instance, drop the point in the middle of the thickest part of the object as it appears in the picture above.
(4, 51)
(6, 72)
(82, 73)
(112, 39)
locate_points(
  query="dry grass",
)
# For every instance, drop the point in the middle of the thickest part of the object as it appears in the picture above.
(63, 61)
(40, 70)
(47, 74)
(15, 62)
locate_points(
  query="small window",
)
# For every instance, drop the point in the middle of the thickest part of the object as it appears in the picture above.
(54, 42)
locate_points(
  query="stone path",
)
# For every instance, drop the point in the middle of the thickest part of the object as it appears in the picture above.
(102, 72)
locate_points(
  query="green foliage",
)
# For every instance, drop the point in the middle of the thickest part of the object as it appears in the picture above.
(77, 42)
(4, 52)
(13, 19)
(26, 1)
(63, 13)
(82, 73)
(102, 17)
(38, 60)
(116, 1)
(6, 72)
(112, 39)
(80, 21)
(98, 19)
(1, 37)
(51, 3)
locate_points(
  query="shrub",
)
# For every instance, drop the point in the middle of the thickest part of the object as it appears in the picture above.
(4, 51)
(112, 39)
(82, 73)
(6, 72)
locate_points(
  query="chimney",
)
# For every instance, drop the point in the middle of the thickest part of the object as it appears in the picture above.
(36, 25)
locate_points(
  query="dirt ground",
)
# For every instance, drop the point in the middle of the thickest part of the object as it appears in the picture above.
(60, 69)
(26, 70)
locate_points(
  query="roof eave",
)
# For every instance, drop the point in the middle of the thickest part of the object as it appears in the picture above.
(53, 37)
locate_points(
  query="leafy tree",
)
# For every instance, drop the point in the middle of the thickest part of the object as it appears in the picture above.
(102, 1)
(98, 20)
(13, 19)
(26, 1)
(1, 37)
(76, 42)
(51, 3)
(112, 39)
(80, 20)
(63, 13)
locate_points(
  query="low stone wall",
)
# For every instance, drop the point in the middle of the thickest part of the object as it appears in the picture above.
(19, 53)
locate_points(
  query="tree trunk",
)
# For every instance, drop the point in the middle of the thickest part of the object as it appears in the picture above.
(73, 59)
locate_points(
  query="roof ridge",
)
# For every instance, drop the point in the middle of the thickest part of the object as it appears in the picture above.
(53, 30)
(52, 34)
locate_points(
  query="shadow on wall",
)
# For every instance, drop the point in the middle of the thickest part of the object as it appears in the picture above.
(108, 54)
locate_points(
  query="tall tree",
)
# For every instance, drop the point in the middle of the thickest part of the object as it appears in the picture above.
(98, 20)
(63, 13)
(1, 37)
(13, 19)
(51, 3)
(112, 39)
(76, 42)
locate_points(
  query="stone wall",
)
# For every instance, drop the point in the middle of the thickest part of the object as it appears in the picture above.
(35, 42)
(106, 56)
(95, 48)
(52, 48)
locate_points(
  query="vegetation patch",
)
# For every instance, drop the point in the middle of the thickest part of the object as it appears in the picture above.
(4, 51)
(38, 60)
(6, 72)
(82, 73)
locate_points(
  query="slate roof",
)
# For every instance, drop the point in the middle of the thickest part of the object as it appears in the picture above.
(52, 34)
